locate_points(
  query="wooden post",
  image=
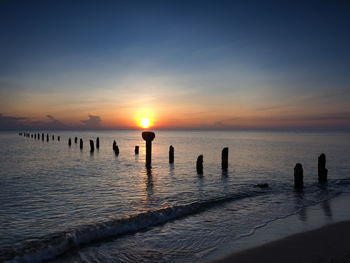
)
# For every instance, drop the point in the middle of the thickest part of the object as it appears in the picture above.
(53, 137)
(115, 148)
(136, 149)
(42, 136)
(199, 164)
(58, 138)
(35, 136)
(92, 148)
(224, 159)
(76, 140)
(69, 142)
(171, 154)
(322, 170)
(148, 137)
(298, 176)
(47, 137)
(98, 143)
(38, 136)
(81, 143)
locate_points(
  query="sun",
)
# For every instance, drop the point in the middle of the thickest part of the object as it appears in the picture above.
(145, 123)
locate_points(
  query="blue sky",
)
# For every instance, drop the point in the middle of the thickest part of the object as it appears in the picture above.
(185, 64)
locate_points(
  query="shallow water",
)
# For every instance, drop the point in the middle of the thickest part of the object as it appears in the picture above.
(65, 204)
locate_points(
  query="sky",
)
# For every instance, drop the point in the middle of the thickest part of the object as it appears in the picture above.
(182, 64)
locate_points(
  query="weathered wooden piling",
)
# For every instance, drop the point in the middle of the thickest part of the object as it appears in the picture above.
(69, 142)
(224, 159)
(322, 170)
(42, 136)
(171, 154)
(58, 138)
(81, 143)
(35, 136)
(92, 148)
(298, 176)
(76, 140)
(98, 143)
(115, 148)
(136, 149)
(47, 137)
(199, 164)
(53, 137)
(148, 137)
(31, 136)
(38, 136)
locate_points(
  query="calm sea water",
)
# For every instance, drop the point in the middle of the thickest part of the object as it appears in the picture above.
(63, 204)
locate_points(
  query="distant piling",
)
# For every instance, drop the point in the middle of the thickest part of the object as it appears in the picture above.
(42, 136)
(199, 164)
(92, 148)
(31, 136)
(148, 137)
(38, 136)
(53, 137)
(47, 137)
(76, 140)
(35, 136)
(322, 170)
(58, 138)
(171, 154)
(81, 143)
(69, 142)
(98, 143)
(298, 176)
(136, 149)
(20, 134)
(224, 159)
(115, 148)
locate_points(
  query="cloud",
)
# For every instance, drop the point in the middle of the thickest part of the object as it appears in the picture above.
(9, 122)
(54, 123)
(93, 122)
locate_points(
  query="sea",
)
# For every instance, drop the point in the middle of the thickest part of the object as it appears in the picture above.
(60, 203)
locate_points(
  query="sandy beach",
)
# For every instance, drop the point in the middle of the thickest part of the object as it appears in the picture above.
(326, 244)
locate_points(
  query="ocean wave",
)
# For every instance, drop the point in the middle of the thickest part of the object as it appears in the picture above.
(53, 245)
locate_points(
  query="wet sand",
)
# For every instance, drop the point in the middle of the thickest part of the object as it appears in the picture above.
(327, 244)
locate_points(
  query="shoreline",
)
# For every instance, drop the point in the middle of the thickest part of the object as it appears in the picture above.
(326, 244)
(319, 233)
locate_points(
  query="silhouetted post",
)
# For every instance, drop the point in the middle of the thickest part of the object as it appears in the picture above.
(322, 170)
(58, 138)
(20, 134)
(171, 154)
(47, 137)
(148, 137)
(92, 148)
(42, 136)
(38, 136)
(98, 143)
(53, 137)
(76, 140)
(115, 148)
(31, 136)
(136, 149)
(298, 176)
(224, 159)
(35, 136)
(69, 142)
(81, 143)
(199, 164)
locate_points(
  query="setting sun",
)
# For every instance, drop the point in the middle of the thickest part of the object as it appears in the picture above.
(145, 122)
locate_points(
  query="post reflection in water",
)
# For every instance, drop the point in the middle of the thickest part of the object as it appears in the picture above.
(149, 183)
(299, 204)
